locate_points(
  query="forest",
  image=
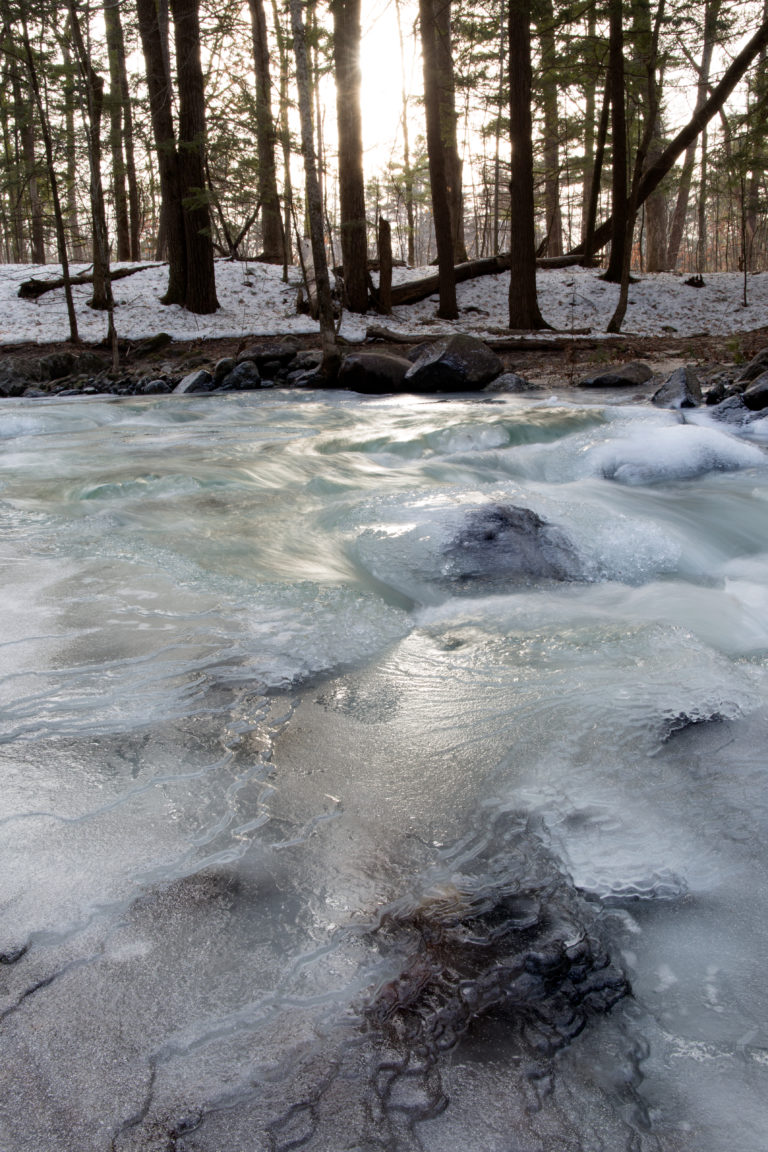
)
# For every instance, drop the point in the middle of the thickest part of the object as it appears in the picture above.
(520, 133)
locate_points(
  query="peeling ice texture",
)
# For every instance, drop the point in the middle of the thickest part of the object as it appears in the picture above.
(678, 453)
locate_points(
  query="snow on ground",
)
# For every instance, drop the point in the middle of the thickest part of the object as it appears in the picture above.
(255, 301)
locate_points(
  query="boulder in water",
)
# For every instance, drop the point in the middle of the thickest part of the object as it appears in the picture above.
(626, 376)
(503, 542)
(511, 382)
(456, 363)
(756, 395)
(373, 372)
(200, 380)
(681, 389)
(243, 377)
(756, 367)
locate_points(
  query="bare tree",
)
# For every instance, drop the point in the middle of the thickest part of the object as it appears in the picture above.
(523, 300)
(438, 167)
(331, 357)
(354, 240)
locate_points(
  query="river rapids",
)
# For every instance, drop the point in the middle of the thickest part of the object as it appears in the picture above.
(382, 774)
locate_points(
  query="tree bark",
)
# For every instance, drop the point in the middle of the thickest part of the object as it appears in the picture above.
(160, 91)
(354, 239)
(200, 296)
(711, 13)
(407, 173)
(619, 143)
(446, 87)
(93, 90)
(127, 208)
(438, 168)
(114, 102)
(272, 235)
(385, 267)
(523, 301)
(61, 239)
(551, 126)
(331, 357)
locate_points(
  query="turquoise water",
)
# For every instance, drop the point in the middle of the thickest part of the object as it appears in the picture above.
(273, 682)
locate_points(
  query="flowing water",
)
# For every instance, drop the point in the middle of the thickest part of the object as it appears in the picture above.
(382, 774)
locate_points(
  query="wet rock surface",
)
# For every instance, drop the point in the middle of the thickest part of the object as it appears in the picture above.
(503, 544)
(681, 389)
(628, 375)
(456, 363)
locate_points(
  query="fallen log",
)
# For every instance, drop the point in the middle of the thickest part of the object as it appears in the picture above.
(521, 343)
(32, 289)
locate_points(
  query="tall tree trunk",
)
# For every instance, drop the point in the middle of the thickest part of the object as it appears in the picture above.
(114, 104)
(595, 179)
(523, 301)
(14, 236)
(14, 166)
(549, 86)
(354, 239)
(652, 99)
(711, 13)
(446, 89)
(58, 216)
(272, 235)
(407, 173)
(201, 279)
(93, 91)
(70, 188)
(331, 357)
(120, 96)
(24, 110)
(285, 137)
(759, 157)
(438, 168)
(590, 104)
(160, 91)
(619, 143)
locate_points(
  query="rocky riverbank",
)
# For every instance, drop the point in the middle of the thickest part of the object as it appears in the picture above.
(730, 375)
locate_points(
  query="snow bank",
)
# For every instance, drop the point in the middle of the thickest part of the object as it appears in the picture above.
(254, 301)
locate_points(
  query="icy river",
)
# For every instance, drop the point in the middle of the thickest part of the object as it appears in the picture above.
(382, 773)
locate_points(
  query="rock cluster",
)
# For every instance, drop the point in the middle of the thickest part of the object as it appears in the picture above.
(455, 363)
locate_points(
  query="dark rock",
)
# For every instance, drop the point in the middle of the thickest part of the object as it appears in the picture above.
(717, 391)
(91, 362)
(757, 365)
(681, 389)
(309, 358)
(453, 364)
(511, 382)
(222, 368)
(756, 395)
(152, 387)
(283, 351)
(373, 372)
(307, 378)
(243, 377)
(504, 543)
(269, 369)
(628, 375)
(732, 410)
(13, 379)
(58, 364)
(153, 344)
(198, 381)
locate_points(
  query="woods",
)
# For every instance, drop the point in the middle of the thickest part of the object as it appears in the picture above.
(633, 136)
